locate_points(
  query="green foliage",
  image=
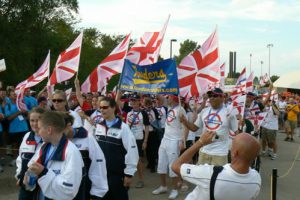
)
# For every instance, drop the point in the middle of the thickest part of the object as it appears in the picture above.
(186, 47)
(33, 27)
(274, 78)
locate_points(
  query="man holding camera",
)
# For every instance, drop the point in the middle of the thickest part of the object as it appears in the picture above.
(216, 118)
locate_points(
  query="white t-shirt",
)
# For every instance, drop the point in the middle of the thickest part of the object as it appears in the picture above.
(230, 185)
(77, 119)
(173, 127)
(220, 121)
(282, 105)
(271, 120)
(135, 122)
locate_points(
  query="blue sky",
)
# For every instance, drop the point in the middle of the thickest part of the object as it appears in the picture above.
(244, 26)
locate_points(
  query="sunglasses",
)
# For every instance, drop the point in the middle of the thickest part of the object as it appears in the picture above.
(103, 107)
(57, 100)
(214, 95)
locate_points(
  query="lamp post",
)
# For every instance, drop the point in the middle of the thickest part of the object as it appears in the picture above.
(269, 46)
(172, 40)
(250, 61)
(261, 64)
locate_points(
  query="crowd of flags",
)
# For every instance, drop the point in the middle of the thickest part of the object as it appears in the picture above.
(198, 72)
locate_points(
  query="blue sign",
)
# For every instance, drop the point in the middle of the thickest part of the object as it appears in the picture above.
(157, 78)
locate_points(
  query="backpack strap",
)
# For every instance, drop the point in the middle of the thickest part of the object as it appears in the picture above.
(217, 170)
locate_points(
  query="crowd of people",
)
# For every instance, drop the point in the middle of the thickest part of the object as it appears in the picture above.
(90, 146)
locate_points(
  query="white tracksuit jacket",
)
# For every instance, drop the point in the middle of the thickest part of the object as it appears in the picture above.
(62, 180)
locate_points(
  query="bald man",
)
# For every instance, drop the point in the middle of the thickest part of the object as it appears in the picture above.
(233, 181)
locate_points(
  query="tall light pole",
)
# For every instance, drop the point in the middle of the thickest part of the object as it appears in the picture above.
(250, 61)
(261, 64)
(269, 46)
(172, 40)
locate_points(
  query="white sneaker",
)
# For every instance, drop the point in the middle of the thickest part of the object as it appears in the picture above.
(173, 194)
(274, 156)
(160, 190)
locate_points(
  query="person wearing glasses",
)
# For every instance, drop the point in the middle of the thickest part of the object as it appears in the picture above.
(85, 142)
(218, 119)
(120, 150)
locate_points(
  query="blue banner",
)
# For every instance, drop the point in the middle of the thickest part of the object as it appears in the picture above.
(157, 78)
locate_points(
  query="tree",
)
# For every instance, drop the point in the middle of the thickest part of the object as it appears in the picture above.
(274, 78)
(30, 28)
(186, 47)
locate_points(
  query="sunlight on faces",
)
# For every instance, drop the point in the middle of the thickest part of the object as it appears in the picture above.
(44, 131)
(34, 119)
(106, 111)
(59, 102)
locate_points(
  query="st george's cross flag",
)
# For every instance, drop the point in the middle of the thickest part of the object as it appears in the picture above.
(37, 77)
(249, 83)
(240, 86)
(222, 76)
(200, 68)
(67, 63)
(111, 65)
(20, 100)
(238, 105)
(146, 50)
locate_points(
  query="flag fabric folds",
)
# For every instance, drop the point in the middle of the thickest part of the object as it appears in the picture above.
(240, 86)
(222, 76)
(238, 105)
(249, 83)
(111, 65)
(146, 50)
(157, 78)
(37, 77)
(2, 65)
(200, 68)
(265, 79)
(67, 63)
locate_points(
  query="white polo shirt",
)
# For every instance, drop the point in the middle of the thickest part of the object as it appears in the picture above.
(230, 185)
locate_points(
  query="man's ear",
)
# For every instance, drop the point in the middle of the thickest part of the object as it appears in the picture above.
(49, 130)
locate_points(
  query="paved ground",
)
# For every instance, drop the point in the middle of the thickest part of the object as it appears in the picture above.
(287, 189)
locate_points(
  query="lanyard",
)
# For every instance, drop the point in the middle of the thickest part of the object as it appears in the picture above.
(211, 119)
(49, 157)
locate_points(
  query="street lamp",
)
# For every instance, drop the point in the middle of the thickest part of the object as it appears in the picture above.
(250, 61)
(261, 64)
(269, 46)
(172, 40)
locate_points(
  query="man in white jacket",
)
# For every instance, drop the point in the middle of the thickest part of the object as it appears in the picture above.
(58, 165)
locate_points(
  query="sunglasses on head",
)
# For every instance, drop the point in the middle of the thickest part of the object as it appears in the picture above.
(214, 95)
(103, 107)
(57, 100)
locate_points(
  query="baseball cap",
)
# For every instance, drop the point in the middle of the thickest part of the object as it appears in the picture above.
(216, 91)
(135, 96)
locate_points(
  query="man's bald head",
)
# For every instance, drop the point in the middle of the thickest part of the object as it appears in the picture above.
(245, 148)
